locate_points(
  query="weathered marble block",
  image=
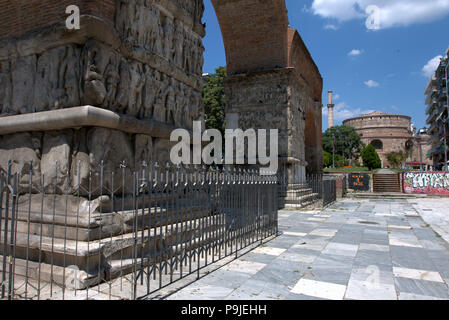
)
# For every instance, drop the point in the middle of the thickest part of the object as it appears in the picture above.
(69, 161)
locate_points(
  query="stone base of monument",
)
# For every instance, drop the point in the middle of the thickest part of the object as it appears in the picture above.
(95, 225)
(299, 196)
(106, 259)
(50, 246)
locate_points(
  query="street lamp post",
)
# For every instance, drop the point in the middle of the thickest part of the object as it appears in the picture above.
(343, 145)
(420, 154)
(333, 150)
(445, 148)
(440, 118)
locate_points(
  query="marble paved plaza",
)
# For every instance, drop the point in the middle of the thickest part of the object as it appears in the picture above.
(355, 249)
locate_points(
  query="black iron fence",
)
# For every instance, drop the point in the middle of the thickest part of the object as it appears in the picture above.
(311, 191)
(324, 186)
(329, 194)
(128, 233)
(100, 232)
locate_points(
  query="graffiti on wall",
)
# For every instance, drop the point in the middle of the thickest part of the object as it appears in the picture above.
(426, 182)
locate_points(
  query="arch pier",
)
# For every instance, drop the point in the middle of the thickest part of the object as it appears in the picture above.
(109, 94)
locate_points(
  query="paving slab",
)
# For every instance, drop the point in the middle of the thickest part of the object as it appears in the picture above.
(367, 290)
(320, 289)
(356, 249)
(259, 290)
(422, 287)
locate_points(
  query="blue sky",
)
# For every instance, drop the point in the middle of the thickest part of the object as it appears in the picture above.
(368, 70)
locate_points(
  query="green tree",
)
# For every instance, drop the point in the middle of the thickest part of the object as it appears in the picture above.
(344, 140)
(370, 158)
(328, 160)
(396, 158)
(214, 100)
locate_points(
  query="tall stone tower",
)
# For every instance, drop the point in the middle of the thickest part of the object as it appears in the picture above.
(330, 108)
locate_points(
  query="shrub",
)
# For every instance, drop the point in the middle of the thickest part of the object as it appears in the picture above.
(396, 158)
(328, 160)
(371, 159)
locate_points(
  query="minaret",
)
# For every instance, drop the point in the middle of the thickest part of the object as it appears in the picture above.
(330, 108)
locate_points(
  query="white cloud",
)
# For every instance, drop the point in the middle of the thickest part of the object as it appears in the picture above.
(331, 27)
(430, 67)
(392, 13)
(305, 8)
(355, 52)
(343, 111)
(342, 10)
(371, 83)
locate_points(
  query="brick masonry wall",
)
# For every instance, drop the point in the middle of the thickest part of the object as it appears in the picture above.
(18, 17)
(379, 121)
(254, 34)
(341, 183)
(392, 130)
(306, 69)
(300, 59)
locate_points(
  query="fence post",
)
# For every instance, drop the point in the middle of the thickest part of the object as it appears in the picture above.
(12, 242)
(5, 235)
(1, 219)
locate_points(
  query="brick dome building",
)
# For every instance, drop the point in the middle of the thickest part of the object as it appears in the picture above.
(389, 133)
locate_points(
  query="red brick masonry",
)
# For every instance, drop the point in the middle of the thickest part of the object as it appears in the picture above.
(20, 16)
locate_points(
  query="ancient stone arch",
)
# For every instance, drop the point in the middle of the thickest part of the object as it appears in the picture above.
(311, 87)
(254, 34)
(87, 108)
(136, 68)
(273, 81)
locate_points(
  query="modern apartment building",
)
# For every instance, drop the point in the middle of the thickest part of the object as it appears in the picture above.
(437, 111)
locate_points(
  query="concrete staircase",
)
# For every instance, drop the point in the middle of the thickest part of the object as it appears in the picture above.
(297, 196)
(388, 182)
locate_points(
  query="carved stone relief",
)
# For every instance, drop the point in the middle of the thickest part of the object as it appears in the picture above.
(52, 81)
(148, 25)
